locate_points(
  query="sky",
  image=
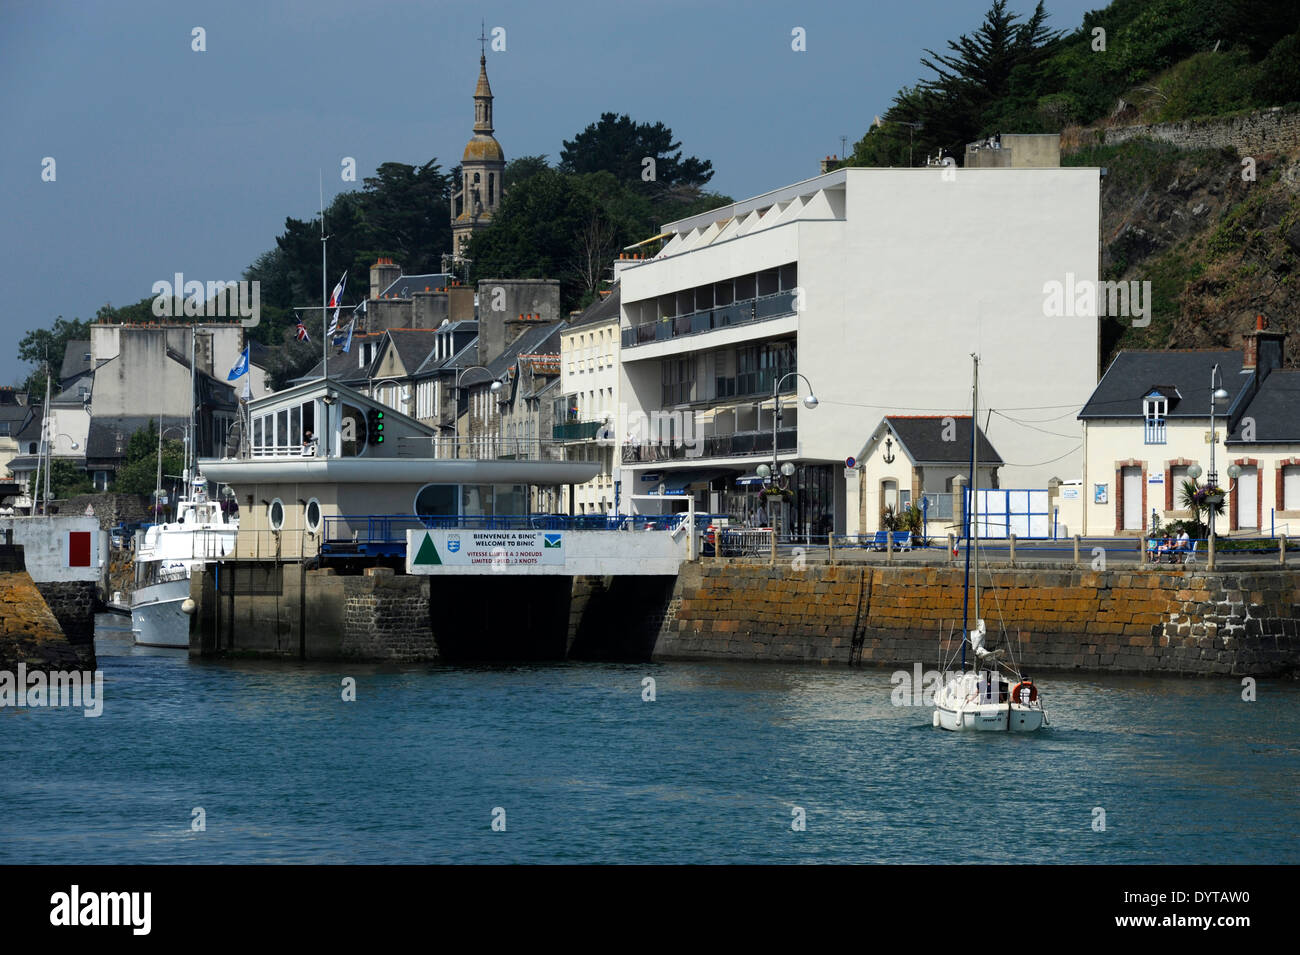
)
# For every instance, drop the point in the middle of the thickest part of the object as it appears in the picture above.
(167, 159)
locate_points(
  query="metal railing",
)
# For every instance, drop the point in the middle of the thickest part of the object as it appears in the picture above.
(745, 312)
(576, 430)
(737, 444)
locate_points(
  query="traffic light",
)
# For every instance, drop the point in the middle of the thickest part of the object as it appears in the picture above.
(375, 426)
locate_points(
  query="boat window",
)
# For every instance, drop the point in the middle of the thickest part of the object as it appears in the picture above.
(313, 515)
(436, 500)
(282, 428)
(275, 514)
(295, 430)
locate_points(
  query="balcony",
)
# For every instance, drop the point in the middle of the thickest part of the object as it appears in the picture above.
(1155, 431)
(747, 312)
(576, 431)
(738, 444)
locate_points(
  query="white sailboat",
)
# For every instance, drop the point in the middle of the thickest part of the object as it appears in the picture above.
(982, 698)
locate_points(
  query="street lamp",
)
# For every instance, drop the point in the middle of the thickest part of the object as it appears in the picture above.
(391, 381)
(1217, 397)
(455, 395)
(50, 450)
(769, 475)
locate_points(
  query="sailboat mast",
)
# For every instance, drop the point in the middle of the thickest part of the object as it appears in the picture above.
(975, 483)
(324, 283)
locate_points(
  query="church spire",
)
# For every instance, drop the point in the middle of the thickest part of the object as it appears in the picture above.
(483, 91)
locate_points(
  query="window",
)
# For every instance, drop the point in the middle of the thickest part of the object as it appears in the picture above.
(1291, 488)
(1177, 475)
(313, 515)
(275, 514)
(1155, 407)
(4, 428)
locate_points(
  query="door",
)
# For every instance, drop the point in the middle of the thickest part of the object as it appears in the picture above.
(1248, 498)
(1133, 499)
(889, 495)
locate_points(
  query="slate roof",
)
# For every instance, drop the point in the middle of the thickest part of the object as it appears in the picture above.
(342, 367)
(75, 361)
(1135, 374)
(923, 438)
(407, 285)
(413, 345)
(432, 364)
(603, 310)
(542, 339)
(1275, 410)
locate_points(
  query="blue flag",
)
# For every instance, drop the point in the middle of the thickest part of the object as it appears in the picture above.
(241, 366)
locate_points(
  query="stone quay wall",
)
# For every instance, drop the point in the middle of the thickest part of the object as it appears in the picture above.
(386, 617)
(1237, 623)
(315, 615)
(73, 603)
(1265, 131)
(29, 631)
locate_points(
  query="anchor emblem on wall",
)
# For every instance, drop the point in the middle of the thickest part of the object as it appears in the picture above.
(889, 453)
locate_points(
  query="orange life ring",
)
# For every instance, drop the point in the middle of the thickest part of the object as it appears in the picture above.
(1027, 684)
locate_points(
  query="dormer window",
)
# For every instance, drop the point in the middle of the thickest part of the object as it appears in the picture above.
(1155, 408)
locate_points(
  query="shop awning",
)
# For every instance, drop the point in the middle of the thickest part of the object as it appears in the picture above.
(749, 480)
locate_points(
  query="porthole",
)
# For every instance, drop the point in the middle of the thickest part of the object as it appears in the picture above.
(313, 515)
(275, 514)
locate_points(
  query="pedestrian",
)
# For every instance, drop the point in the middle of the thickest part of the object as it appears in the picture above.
(760, 516)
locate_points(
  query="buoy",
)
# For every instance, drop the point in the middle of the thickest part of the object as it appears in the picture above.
(187, 605)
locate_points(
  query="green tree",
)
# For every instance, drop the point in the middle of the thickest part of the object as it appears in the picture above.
(48, 344)
(139, 473)
(618, 145)
(524, 167)
(67, 479)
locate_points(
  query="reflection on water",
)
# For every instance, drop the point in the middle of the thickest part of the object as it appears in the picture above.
(710, 771)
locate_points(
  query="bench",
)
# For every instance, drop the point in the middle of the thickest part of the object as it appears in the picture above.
(880, 542)
(1189, 556)
(901, 540)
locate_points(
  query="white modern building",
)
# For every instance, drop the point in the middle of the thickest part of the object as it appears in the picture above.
(874, 286)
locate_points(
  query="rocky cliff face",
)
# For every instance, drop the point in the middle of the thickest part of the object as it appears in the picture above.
(1218, 247)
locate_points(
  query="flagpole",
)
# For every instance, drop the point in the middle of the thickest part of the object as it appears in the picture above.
(324, 283)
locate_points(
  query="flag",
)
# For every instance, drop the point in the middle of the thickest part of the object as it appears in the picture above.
(341, 334)
(248, 388)
(334, 304)
(347, 345)
(301, 332)
(241, 366)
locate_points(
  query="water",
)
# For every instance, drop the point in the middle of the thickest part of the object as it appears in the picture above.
(586, 771)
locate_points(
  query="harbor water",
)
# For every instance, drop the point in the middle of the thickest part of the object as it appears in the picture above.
(721, 766)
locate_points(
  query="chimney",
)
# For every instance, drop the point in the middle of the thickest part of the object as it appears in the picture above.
(1262, 350)
(383, 274)
(828, 163)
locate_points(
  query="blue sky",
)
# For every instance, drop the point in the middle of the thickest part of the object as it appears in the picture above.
(170, 160)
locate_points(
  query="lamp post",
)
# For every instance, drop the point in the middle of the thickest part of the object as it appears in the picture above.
(390, 381)
(49, 462)
(158, 491)
(1217, 397)
(455, 396)
(769, 475)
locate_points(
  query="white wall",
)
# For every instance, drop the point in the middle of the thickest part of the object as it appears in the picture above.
(45, 546)
(924, 272)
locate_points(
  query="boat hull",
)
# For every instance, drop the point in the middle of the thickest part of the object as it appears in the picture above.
(990, 718)
(157, 619)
